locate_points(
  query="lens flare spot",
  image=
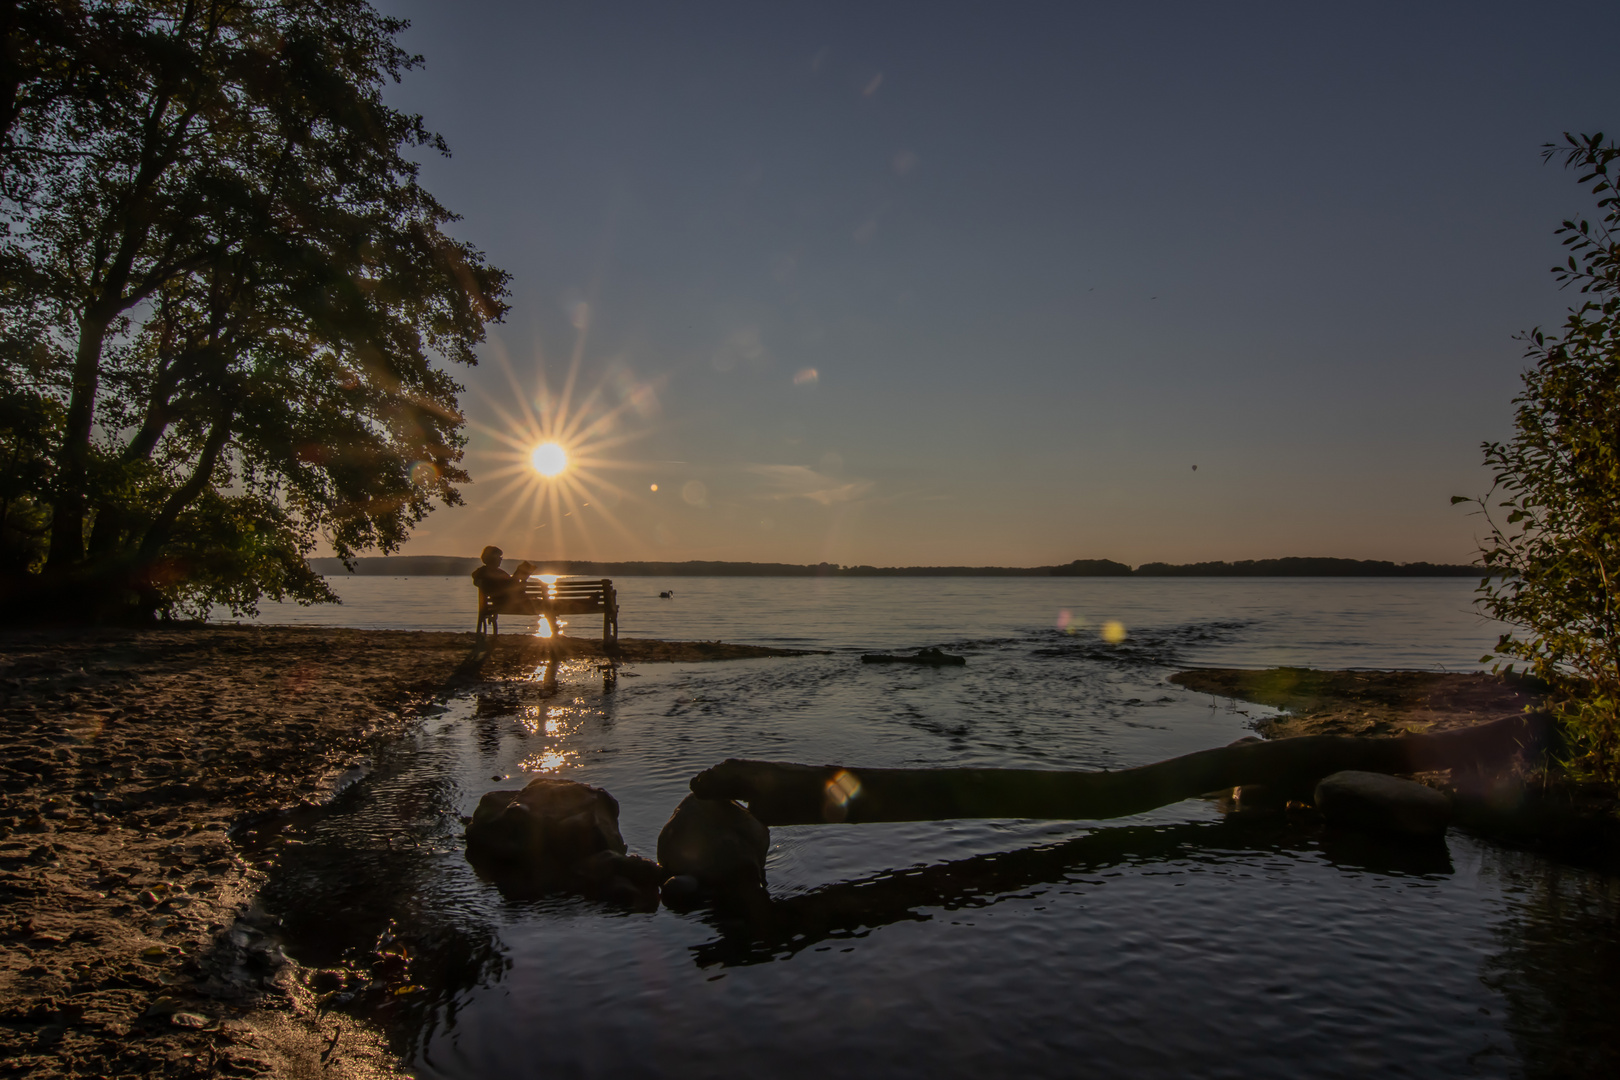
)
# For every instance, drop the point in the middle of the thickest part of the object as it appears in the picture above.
(549, 459)
(1113, 631)
(423, 474)
(806, 377)
(652, 487)
(841, 790)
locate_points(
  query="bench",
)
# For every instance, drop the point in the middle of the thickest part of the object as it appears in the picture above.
(574, 596)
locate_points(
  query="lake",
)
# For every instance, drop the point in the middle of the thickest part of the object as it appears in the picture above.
(1176, 943)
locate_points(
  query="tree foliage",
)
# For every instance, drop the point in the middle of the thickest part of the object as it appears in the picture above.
(224, 296)
(1553, 515)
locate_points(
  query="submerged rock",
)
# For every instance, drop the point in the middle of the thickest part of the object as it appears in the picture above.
(621, 879)
(931, 657)
(1368, 800)
(550, 824)
(716, 844)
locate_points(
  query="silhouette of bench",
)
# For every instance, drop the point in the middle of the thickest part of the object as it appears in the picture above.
(572, 596)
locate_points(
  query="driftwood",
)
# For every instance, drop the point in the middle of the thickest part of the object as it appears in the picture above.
(786, 794)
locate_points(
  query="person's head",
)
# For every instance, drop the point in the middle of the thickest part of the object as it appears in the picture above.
(524, 569)
(492, 556)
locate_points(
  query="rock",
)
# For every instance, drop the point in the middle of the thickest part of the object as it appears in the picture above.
(326, 980)
(717, 842)
(679, 888)
(929, 657)
(1367, 800)
(622, 879)
(551, 822)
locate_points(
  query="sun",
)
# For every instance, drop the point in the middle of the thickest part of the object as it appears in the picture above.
(549, 459)
(552, 451)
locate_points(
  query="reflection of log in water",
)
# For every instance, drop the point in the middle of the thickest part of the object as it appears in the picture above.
(760, 930)
(787, 794)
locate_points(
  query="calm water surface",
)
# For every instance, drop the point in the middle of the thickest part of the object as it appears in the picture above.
(1176, 943)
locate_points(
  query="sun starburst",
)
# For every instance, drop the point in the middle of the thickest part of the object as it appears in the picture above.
(552, 453)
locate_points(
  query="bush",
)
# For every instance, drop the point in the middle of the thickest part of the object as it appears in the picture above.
(1552, 549)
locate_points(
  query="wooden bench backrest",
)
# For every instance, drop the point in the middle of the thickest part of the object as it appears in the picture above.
(569, 590)
(597, 595)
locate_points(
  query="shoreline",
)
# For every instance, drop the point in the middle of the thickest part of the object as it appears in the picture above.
(134, 945)
(132, 758)
(1534, 804)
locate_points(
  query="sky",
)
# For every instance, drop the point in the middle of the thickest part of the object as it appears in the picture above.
(982, 284)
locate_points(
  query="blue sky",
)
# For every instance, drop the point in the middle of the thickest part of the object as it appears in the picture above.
(1042, 259)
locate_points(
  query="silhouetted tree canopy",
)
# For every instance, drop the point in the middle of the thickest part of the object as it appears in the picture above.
(1554, 513)
(224, 296)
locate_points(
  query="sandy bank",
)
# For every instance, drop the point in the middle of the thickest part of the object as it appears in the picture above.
(131, 946)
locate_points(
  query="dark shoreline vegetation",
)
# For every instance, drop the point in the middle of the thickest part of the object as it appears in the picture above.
(457, 566)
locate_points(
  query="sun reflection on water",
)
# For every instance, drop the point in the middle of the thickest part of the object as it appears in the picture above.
(553, 760)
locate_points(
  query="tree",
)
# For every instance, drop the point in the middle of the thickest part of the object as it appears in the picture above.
(230, 289)
(1554, 557)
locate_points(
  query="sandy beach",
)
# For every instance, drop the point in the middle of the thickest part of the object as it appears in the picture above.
(132, 944)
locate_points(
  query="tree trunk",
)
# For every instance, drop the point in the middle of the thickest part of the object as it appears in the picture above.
(67, 514)
(786, 794)
(163, 525)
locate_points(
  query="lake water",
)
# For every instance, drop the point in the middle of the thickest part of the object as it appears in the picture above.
(1176, 943)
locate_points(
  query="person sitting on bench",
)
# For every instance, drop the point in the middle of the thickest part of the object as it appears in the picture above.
(509, 592)
(490, 577)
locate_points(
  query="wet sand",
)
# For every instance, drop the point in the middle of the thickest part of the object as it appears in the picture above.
(131, 942)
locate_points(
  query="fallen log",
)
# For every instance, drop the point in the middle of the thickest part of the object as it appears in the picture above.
(780, 793)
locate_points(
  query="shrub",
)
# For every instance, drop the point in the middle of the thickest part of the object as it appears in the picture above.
(1552, 547)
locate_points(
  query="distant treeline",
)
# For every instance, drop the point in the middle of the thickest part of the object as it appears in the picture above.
(1296, 567)
(455, 566)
